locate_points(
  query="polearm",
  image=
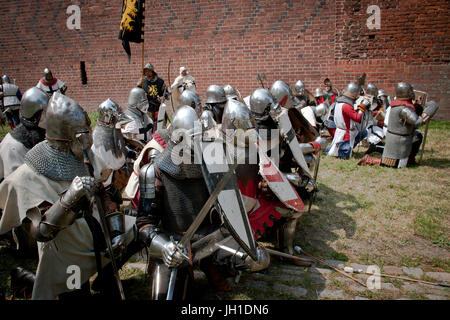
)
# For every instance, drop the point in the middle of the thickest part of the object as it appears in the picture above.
(316, 172)
(81, 138)
(259, 77)
(197, 222)
(300, 251)
(424, 140)
(168, 78)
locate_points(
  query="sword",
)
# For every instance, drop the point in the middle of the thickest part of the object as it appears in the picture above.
(197, 222)
(101, 212)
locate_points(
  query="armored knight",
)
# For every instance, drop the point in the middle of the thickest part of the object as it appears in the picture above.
(20, 140)
(138, 130)
(263, 107)
(402, 139)
(192, 99)
(51, 84)
(346, 119)
(302, 95)
(319, 95)
(215, 101)
(11, 96)
(52, 190)
(330, 93)
(171, 196)
(232, 93)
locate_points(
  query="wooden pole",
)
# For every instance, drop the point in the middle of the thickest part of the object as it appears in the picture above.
(424, 140)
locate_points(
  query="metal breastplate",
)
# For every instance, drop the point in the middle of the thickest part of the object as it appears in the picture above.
(183, 199)
(397, 126)
(10, 95)
(55, 164)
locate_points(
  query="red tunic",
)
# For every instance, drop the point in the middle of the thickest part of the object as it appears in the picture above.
(349, 113)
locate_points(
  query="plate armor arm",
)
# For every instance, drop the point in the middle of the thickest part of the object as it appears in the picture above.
(409, 116)
(63, 212)
(159, 244)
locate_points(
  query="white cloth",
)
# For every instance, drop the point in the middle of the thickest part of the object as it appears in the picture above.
(340, 131)
(386, 120)
(23, 190)
(12, 154)
(130, 130)
(177, 91)
(133, 181)
(308, 113)
(56, 87)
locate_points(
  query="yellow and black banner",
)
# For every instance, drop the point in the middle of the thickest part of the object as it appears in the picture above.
(132, 23)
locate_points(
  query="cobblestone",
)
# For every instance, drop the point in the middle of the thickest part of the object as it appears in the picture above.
(331, 294)
(413, 272)
(297, 292)
(439, 276)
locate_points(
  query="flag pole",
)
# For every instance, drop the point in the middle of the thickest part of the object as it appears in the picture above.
(143, 37)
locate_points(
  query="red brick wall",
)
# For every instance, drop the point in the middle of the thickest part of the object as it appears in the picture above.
(229, 42)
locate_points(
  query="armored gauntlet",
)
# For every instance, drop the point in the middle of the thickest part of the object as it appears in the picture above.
(63, 213)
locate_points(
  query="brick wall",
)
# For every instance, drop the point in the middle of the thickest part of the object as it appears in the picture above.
(229, 42)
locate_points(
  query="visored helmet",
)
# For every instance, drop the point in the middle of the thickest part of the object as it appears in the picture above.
(404, 90)
(299, 88)
(230, 92)
(215, 94)
(282, 94)
(138, 99)
(109, 112)
(34, 102)
(261, 101)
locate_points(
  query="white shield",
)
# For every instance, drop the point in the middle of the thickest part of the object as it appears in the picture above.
(215, 165)
(285, 126)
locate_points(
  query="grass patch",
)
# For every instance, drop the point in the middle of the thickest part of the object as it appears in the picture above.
(440, 263)
(337, 256)
(431, 225)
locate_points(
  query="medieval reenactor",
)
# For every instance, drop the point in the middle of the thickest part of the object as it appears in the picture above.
(330, 93)
(319, 95)
(171, 196)
(50, 84)
(270, 115)
(303, 96)
(20, 140)
(183, 81)
(192, 99)
(401, 146)
(52, 190)
(138, 130)
(346, 119)
(155, 89)
(10, 95)
(215, 101)
(12, 154)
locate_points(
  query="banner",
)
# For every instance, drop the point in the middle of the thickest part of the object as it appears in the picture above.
(132, 23)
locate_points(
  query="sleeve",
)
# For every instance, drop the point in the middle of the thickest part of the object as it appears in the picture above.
(351, 113)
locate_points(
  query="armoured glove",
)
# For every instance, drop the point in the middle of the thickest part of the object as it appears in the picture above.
(171, 255)
(81, 186)
(161, 246)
